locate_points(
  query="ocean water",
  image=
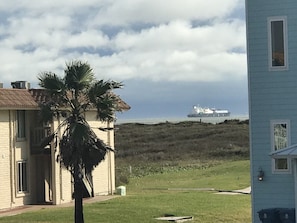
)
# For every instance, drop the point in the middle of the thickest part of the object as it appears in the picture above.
(213, 120)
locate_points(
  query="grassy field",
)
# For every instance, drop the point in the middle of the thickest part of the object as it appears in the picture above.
(145, 149)
(161, 181)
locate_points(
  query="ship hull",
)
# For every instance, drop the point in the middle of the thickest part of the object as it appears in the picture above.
(209, 115)
(208, 112)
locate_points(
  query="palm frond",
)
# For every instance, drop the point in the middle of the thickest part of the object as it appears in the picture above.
(78, 75)
(103, 99)
(94, 154)
(98, 89)
(79, 132)
(79, 144)
(116, 85)
(101, 87)
(46, 113)
(106, 107)
(47, 140)
(51, 82)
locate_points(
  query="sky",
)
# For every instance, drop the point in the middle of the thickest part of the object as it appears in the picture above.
(169, 54)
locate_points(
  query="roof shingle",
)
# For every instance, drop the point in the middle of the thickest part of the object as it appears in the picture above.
(24, 99)
(16, 99)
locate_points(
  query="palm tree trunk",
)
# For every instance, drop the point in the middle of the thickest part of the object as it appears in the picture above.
(78, 196)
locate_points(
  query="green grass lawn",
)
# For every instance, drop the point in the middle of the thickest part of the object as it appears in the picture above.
(152, 196)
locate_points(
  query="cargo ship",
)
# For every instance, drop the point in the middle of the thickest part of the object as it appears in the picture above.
(198, 111)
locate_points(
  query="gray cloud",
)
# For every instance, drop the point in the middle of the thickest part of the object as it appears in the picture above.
(125, 13)
(172, 41)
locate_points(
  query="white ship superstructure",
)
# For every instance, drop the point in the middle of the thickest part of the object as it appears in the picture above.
(199, 111)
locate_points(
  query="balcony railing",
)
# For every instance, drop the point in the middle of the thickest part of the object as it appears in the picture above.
(38, 134)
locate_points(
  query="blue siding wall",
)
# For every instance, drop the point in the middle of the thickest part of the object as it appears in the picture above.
(272, 96)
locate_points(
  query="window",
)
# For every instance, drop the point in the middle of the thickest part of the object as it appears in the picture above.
(280, 140)
(277, 34)
(22, 176)
(21, 130)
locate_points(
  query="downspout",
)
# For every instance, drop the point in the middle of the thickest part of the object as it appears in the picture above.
(11, 159)
(109, 159)
(60, 169)
(294, 161)
(54, 169)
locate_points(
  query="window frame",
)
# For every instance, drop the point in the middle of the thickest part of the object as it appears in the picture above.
(20, 125)
(22, 182)
(285, 39)
(288, 137)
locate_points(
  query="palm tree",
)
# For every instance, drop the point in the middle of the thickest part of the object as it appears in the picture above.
(80, 150)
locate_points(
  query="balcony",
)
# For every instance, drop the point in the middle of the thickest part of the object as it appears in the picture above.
(38, 136)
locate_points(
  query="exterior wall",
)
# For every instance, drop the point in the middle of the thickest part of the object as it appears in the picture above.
(62, 186)
(12, 151)
(47, 181)
(66, 189)
(21, 152)
(103, 176)
(104, 173)
(272, 96)
(5, 154)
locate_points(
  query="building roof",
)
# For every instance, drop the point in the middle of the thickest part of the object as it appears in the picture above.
(123, 105)
(16, 99)
(39, 95)
(12, 98)
(288, 152)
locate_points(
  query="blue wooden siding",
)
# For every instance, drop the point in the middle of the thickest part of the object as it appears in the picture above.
(272, 96)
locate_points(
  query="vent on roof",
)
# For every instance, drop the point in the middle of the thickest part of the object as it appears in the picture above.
(20, 84)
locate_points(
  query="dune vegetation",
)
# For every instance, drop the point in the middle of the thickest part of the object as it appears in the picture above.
(143, 149)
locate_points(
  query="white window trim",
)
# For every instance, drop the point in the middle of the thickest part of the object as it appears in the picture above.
(22, 193)
(269, 20)
(17, 123)
(272, 123)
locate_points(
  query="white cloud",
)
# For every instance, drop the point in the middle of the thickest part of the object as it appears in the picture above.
(180, 52)
(89, 38)
(34, 6)
(182, 35)
(155, 11)
(190, 40)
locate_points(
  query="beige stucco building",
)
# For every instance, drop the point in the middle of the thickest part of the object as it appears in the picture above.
(29, 173)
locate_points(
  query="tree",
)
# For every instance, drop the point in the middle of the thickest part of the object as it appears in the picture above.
(80, 150)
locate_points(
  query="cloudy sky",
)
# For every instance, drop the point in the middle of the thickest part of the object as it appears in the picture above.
(170, 54)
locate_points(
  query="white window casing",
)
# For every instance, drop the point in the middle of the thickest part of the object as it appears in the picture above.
(22, 177)
(277, 43)
(280, 139)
